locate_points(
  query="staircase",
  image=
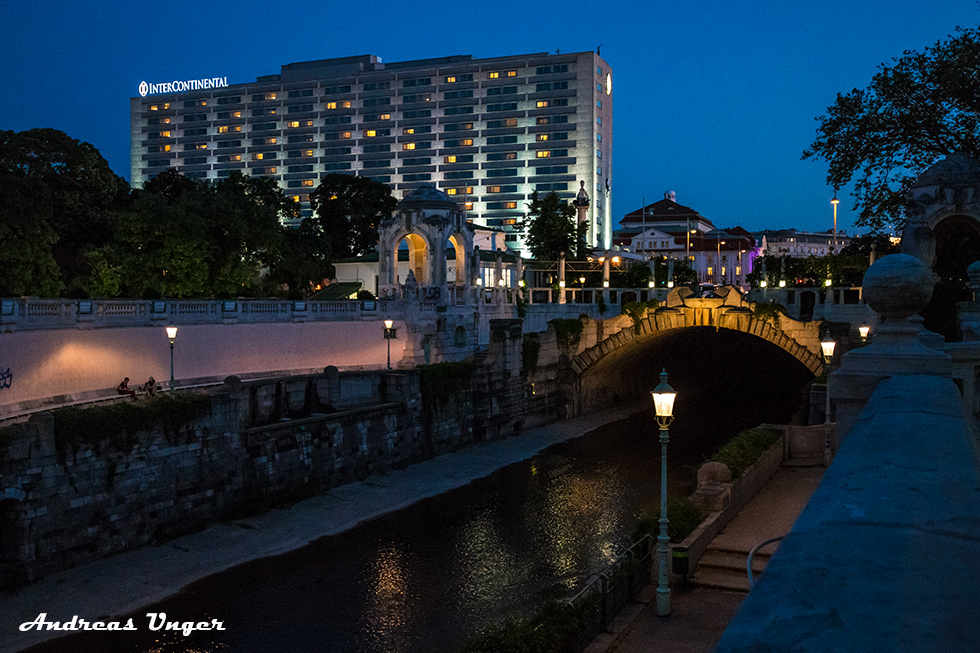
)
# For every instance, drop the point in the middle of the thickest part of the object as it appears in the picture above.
(724, 568)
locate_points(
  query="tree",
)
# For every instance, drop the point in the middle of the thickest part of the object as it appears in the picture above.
(919, 109)
(347, 210)
(79, 195)
(27, 238)
(550, 227)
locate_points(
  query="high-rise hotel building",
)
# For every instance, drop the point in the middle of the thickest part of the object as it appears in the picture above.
(487, 131)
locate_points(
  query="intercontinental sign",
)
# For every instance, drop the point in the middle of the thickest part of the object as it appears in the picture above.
(182, 86)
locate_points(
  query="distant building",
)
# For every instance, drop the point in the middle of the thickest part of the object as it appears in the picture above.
(666, 228)
(487, 132)
(799, 244)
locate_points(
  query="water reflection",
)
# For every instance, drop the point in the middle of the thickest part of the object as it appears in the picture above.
(388, 608)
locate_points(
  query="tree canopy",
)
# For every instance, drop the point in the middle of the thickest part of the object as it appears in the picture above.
(550, 227)
(922, 107)
(347, 210)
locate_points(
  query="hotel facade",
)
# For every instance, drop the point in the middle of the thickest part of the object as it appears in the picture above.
(486, 131)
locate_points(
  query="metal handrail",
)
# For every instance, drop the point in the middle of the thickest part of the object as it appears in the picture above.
(748, 564)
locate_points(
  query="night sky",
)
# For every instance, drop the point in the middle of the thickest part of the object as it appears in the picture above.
(715, 100)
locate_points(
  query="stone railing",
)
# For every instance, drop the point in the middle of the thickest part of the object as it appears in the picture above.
(30, 314)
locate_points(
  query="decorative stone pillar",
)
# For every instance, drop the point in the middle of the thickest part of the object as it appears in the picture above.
(561, 277)
(896, 287)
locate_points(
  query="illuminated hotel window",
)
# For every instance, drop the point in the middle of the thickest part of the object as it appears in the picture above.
(164, 134)
(331, 105)
(408, 130)
(468, 206)
(542, 137)
(263, 96)
(235, 157)
(344, 134)
(451, 79)
(306, 153)
(229, 128)
(408, 146)
(296, 198)
(269, 141)
(512, 73)
(501, 156)
(494, 75)
(511, 221)
(510, 205)
(466, 142)
(201, 146)
(157, 107)
(493, 189)
(384, 116)
(370, 133)
(307, 182)
(543, 154)
(450, 159)
(258, 156)
(542, 104)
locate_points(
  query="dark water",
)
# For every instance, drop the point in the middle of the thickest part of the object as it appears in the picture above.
(429, 576)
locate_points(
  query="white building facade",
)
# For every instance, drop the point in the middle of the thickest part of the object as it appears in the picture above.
(487, 132)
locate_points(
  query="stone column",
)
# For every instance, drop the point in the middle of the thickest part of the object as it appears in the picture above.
(561, 277)
(896, 287)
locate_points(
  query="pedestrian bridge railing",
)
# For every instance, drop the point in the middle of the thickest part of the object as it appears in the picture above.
(30, 314)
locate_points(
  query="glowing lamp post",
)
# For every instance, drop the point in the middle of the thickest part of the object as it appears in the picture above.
(663, 403)
(864, 331)
(835, 202)
(172, 335)
(391, 332)
(827, 346)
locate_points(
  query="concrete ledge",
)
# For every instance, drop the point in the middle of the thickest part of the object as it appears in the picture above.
(881, 558)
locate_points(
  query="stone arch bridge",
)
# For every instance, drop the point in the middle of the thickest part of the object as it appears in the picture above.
(614, 364)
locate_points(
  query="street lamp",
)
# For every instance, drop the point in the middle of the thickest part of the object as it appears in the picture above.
(835, 202)
(718, 262)
(864, 331)
(390, 333)
(663, 403)
(827, 346)
(172, 335)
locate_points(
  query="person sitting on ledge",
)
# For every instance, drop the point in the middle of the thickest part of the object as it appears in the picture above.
(124, 388)
(150, 387)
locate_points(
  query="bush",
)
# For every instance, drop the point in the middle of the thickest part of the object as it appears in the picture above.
(742, 451)
(568, 332)
(556, 628)
(118, 425)
(529, 352)
(439, 381)
(682, 518)
(636, 311)
(767, 312)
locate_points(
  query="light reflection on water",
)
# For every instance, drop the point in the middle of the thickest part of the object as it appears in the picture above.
(428, 577)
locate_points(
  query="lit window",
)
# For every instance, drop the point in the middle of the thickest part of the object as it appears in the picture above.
(512, 73)
(542, 104)
(510, 205)
(294, 123)
(493, 189)
(269, 96)
(307, 182)
(466, 142)
(408, 130)
(236, 114)
(307, 153)
(542, 137)
(269, 141)
(201, 146)
(451, 79)
(258, 156)
(370, 133)
(331, 105)
(164, 134)
(510, 221)
(296, 198)
(344, 134)
(450, 159)
(408, 146)
(494, 75)
(450, 191)
(229, 128)
(384, 116)
(468, 206)
(235, 157)
(154, 107)
(543, 154)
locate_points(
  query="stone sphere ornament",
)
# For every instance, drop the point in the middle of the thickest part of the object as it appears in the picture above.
(898, 286)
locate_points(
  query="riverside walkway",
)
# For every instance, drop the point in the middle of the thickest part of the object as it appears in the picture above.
(699, 612)
(121, 584)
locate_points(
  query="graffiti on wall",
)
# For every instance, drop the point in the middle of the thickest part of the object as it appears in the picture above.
(6, 376)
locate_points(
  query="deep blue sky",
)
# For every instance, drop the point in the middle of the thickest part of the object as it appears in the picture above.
(715, 100)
